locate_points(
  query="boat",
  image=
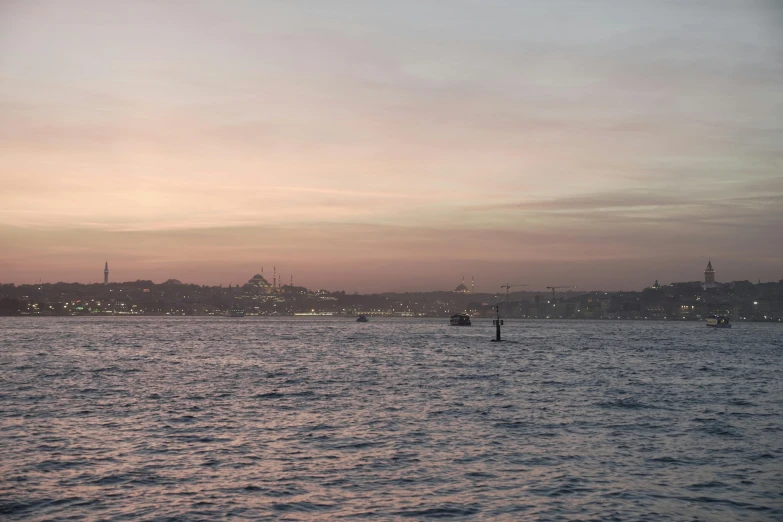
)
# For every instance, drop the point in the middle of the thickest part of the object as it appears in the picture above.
(460, 320)
(236, 312)
(361, 319)
(718, 321)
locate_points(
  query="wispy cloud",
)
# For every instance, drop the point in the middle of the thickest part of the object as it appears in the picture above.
(355, 132)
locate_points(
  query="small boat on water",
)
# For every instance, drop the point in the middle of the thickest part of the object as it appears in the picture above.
(718, 321)
(236, 312)
(361, 319)
(460, 320)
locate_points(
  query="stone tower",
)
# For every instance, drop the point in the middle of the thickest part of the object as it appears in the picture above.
(709, 275)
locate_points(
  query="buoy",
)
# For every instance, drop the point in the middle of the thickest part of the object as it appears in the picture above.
(498, 322)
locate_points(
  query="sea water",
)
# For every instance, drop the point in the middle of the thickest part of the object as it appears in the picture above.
(124, 418)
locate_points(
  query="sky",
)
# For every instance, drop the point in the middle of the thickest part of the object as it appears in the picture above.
(392, 146)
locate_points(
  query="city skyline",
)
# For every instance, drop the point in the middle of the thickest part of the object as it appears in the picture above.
(466, 285)
(392, 147)
(680, 301)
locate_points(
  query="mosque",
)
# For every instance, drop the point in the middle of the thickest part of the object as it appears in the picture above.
(259, 285)
(462, 289)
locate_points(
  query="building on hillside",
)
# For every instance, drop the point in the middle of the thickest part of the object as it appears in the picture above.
(709, 276)
(258, 285)
(461, 288)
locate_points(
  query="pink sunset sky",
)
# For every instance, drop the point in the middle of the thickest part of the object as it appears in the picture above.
(392, 146)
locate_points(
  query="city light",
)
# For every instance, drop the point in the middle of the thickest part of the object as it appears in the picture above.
(688, 301)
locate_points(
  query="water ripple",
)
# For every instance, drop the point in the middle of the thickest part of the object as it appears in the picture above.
(206, 418)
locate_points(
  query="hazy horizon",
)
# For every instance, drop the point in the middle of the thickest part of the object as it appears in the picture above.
(371, 147)
(417, 285)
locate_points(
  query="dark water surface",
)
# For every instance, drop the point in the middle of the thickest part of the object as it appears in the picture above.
(207, 418)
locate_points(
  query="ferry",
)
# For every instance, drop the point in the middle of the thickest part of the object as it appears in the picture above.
(236, 312)
(718, 321)
(361, 319)
(460, 320)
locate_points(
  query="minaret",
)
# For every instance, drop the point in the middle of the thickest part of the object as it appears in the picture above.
(274, 278)
(472, 284)
(292, 279)
(106, 273)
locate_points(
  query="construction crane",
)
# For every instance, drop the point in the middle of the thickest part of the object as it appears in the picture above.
(553, 288)
(509, 287)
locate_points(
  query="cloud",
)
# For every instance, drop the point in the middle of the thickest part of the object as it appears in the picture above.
(362, 134)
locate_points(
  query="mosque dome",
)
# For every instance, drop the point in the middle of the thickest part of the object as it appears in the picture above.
(258, 280)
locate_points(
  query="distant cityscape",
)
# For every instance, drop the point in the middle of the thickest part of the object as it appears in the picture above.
(740, 300)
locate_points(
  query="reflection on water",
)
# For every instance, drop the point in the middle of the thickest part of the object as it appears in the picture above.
(196, 418)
